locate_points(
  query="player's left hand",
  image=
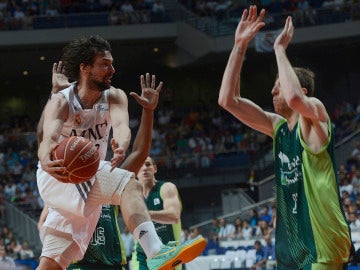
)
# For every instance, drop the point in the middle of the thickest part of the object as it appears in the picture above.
(149, 94)
(286, 35)
(119, 154)
(59, 80)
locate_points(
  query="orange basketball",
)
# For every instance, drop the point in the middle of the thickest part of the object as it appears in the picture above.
(81, 158)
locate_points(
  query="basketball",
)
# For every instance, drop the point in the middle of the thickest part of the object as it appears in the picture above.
(81, 158)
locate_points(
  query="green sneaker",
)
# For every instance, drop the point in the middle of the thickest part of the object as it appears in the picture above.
(171, 256)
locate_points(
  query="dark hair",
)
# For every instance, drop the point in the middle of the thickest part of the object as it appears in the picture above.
(307, 79)
(82, 51)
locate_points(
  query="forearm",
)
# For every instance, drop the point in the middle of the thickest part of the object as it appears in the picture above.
(142, 143)
(165, 216)
(289, 82)
(122, 136)
(230, 85)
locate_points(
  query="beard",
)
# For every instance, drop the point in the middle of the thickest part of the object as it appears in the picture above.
(101, 85)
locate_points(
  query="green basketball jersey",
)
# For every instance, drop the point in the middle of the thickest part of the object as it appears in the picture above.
(106, 249)
(310, 225)
(166, 232)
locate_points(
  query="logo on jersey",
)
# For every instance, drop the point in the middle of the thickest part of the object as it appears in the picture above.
(156, 201)
(290, 171)
(103, 107)
(77, 120)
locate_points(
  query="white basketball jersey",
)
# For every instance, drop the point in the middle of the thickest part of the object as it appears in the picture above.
(93, 124)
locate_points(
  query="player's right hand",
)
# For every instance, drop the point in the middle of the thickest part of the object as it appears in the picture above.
(55, 168)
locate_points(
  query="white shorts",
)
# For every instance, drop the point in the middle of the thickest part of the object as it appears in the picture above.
(74, 210)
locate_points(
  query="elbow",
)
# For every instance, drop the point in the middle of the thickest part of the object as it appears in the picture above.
(224, 102)
(175, 219)
(294, 102)
(221, 102)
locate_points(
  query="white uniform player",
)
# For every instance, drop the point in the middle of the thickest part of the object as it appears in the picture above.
(81, 201)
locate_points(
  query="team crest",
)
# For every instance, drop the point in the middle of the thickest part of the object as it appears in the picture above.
(156, 201)
(103, 107)
(77, 120)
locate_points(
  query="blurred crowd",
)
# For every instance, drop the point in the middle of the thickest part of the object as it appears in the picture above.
(304, 12)
(24, 14)
(21, 14)
(15, 253)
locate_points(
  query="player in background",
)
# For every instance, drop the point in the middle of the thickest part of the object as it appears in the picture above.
(311, 229)
(164, 204)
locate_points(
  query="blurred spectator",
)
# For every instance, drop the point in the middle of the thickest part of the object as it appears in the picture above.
(13, 249)
(17, 171)
(265, 215)
(355, 181)
(10, 189)
(18, 16)
(128, 11)
(354, 222)
(269, 252)
(247, 230)
(51, 12)
(28, 20)
(254, 218)
(264, 228)
(345, 184)
(238, 223)
(27, 257)
(6, 262)
(185, 235)
(260, 260)
(221, 9)
(2, 205)
(114, 19)
(157, 11)
(195, 232)
(227, 230)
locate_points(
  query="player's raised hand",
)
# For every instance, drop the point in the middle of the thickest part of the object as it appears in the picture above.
(249, 24)
(59, 80)
(149, 94)
(286, 35)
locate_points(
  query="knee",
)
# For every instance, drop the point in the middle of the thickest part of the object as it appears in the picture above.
(133, 187)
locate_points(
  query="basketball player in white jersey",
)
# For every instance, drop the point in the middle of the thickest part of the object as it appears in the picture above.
(89, 108)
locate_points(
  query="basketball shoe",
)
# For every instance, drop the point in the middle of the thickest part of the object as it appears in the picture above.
(171, 256)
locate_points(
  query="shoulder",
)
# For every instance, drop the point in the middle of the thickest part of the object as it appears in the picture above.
(168, 188)
(59, 100)
(116, 93)
(167, 185)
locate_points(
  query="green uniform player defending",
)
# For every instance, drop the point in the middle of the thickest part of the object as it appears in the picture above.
(311, 230)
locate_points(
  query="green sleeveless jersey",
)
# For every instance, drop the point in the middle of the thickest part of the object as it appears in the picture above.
(166, 232)
(310, 225)
(106, 249)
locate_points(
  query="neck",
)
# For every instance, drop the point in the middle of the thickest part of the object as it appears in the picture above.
(87, 96)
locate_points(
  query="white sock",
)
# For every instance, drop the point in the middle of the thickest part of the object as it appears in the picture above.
(148, 239)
